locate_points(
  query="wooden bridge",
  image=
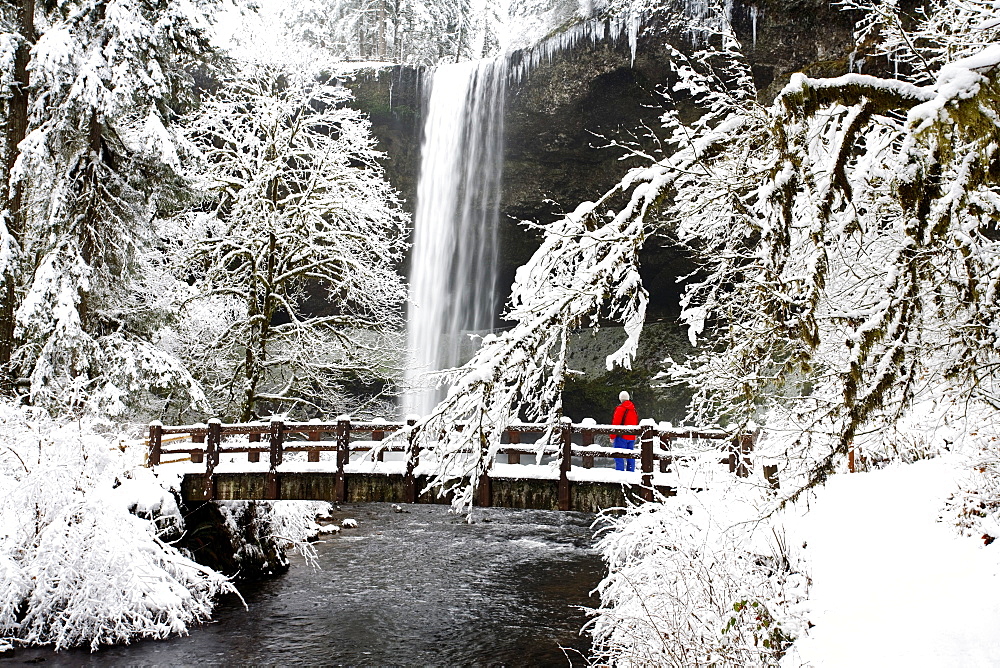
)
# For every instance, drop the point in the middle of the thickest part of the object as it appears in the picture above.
(223, 462)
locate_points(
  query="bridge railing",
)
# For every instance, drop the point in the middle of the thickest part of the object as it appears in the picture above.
(655, 444)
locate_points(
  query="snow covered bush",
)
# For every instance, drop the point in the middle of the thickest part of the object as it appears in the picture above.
(697, 580)
(259, 533)
(78, 565)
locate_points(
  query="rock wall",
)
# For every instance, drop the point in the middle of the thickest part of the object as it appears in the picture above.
(557, 115)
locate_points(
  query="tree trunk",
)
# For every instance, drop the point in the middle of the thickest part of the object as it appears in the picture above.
(16, 129)
(380, 41)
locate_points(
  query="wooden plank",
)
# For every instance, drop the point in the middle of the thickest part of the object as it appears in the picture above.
(253, 455)
(513, 437)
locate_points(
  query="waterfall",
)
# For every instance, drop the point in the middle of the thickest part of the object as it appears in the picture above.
(453, 269)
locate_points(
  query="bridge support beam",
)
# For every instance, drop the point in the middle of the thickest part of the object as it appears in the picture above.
(272, 486)
(412, 460)
(566, 460)
(343, 455)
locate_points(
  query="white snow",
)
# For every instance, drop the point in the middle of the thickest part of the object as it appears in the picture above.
(891, 585)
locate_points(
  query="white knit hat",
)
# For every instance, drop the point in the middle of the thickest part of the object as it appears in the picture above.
(623, 396)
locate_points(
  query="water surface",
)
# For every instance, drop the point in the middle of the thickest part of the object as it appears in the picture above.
(422, 587)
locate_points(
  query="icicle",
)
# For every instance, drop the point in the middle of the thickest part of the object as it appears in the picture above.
(594, 30)
(633, 34)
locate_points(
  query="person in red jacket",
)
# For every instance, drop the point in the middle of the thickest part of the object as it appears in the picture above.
(625, 415)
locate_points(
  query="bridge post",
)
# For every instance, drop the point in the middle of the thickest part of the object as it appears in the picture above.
(666, 443)
(588, 439)
(647, 437)
(485, 487)
(377, 436)
(272, 489)
(565, 462)
(343, 455)
(155, 442)
(739, 455)
(746, 447)
(212, 456)
(412, 461)
(314, 436)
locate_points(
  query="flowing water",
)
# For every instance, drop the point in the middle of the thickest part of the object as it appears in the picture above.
(422, 587)
(453, 271)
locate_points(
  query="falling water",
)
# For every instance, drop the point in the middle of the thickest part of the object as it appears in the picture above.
(455, 230)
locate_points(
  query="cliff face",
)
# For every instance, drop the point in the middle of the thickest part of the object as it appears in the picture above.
(559, 116)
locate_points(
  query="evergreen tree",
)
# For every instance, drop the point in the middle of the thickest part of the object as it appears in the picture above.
(424, 32)
(106, 79)
(15, 46)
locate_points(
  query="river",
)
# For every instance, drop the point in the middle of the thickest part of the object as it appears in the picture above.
(421, 587)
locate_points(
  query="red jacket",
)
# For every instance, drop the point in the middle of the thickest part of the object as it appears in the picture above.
(625, 415)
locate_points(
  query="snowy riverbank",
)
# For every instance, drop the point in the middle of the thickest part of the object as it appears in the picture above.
(87, 539)
(891, 583)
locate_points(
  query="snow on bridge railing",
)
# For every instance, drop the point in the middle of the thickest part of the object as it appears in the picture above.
(656, 444)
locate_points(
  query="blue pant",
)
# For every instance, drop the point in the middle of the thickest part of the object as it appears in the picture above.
(624, 464)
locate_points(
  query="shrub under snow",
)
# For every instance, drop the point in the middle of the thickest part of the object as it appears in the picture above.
(698, 580)
(77, 567)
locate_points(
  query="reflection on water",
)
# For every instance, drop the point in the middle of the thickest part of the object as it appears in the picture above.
(421, 587)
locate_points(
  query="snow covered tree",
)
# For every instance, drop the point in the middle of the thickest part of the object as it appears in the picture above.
(424, 32)
(849, 243)
(295, 246)
(106, 78)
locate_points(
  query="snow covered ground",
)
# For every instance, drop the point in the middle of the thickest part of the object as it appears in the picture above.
(891, 585)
